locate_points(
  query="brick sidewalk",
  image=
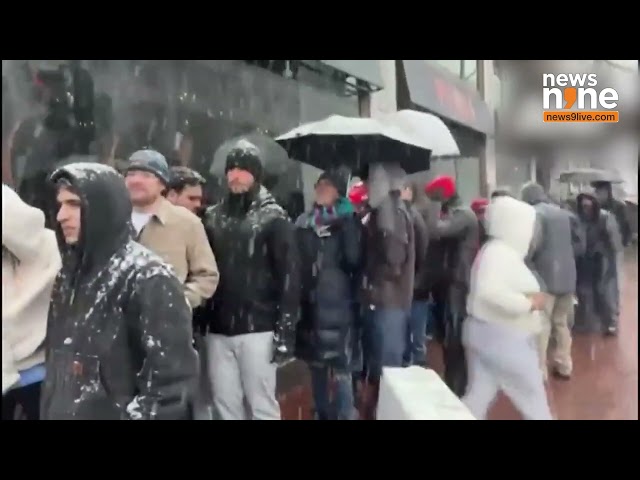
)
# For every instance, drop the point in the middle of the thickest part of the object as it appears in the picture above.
(604, 385)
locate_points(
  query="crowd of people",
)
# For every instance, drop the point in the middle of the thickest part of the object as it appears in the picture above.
(143, 304)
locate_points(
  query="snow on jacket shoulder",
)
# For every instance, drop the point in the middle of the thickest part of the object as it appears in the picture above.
(500, 279)
(119, 337)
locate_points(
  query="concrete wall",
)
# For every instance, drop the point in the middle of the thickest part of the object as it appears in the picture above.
(385, 101)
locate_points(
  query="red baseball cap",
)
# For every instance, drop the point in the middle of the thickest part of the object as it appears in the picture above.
(358, 193)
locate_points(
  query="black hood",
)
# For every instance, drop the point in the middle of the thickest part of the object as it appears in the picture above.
(607, 186)
(596, 204)
(533, 193)
(106, 211)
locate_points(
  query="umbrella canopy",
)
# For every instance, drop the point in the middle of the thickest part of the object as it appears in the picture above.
(589, 175)
(432, 131)
(355, 142)
(275, 160)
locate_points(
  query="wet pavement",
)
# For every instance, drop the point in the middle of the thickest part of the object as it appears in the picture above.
(604, 385)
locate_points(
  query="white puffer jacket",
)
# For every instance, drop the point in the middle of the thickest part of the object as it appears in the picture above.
(500, 279)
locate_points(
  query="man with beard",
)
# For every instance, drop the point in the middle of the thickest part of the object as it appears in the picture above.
(457, 233)
(597, 286)
(253, 314)
(119, 339)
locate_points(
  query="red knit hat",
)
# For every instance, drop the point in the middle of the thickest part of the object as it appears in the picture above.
(358, 193)
(445, 183)
(479, 205)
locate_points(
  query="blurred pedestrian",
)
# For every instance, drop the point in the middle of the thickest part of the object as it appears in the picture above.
(597, 268)
(30, 263)
(359, 197)
(330, 254)
(555, 262)
(416, 345)
(458, 231)
(501, 192)
(388, 272)
(618, 208)
(500, 334)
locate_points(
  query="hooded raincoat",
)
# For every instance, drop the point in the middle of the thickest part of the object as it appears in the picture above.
(119, 337)
(597, 275)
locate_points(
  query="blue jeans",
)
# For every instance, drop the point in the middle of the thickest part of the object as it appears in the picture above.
(416, 350)
(388, 339)
(342, 407)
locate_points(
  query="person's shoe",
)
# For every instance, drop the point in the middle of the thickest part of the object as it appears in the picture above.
(611, 331)
(561, 376)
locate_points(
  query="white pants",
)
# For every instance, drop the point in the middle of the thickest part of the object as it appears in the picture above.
(243, 378)
(502, 358)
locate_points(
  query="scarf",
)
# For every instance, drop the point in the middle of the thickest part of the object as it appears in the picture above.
(322, 216)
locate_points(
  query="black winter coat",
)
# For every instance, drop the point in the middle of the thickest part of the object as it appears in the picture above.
(119, 338)
(255, 246)
(421, 235)
(454, 243)
(619, 211)
(330, 267)
(597, 278)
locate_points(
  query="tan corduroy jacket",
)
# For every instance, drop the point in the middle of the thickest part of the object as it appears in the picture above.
(178, 236)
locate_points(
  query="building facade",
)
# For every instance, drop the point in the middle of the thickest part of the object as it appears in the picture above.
(547, 149)
(451, 90)
(183, 108)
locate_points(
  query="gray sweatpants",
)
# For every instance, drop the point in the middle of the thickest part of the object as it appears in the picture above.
(243, 378)
(502, 358)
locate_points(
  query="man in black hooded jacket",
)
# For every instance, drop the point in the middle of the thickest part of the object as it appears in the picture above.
(597, 284)
(604, 194)
(253, 314)
(119, 337)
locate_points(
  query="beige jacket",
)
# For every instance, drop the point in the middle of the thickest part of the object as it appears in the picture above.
(178, 236)
(30, 263)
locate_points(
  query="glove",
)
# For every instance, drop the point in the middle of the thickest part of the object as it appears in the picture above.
(282, 349)
(281, 353)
